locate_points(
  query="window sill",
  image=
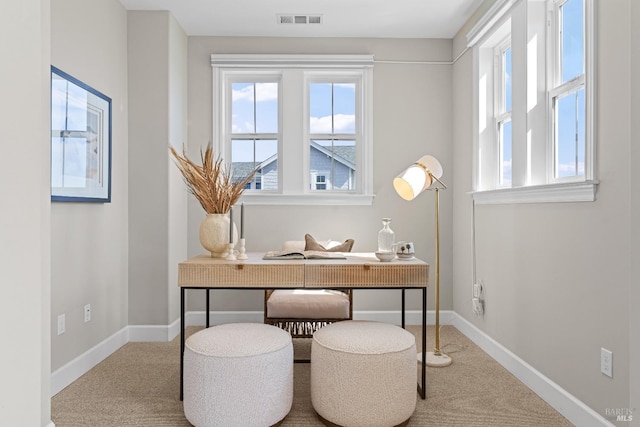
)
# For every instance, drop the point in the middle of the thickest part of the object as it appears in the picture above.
(551, 193)
(327, 199)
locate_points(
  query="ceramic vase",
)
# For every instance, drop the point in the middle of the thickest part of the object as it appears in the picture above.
(214, 234)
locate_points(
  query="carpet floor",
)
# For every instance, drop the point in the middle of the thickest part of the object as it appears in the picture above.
(138, 385)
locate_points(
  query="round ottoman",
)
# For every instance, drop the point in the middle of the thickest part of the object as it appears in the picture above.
(363, 374)
(238, 374)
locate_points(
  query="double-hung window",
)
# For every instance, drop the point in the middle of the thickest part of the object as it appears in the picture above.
(332, 133)
(534, 92)
(254, 136)
(567, 90)
(302, 122)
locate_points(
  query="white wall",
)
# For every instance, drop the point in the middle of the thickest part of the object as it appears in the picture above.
(157, 200)
(634, 195)
(178, 136)
(557, 276)
(412, 105)
(25, 213)
(89, 241)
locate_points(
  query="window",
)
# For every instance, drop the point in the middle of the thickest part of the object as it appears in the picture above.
(534, 91)
(320, 181)
(254, 132)
(266, 107)
(567, 90)
(332, 132)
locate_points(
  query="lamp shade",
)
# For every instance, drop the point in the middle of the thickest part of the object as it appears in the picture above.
(417, 177)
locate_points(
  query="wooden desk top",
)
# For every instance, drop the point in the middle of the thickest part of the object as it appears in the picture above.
(358, 270)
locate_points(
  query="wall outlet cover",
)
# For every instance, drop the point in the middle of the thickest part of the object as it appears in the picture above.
(606, 362)
(61, 324)
(87, 313)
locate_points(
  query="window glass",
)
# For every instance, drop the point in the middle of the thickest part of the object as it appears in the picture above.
(254, 111)
(249, 154)
(331, 155)
(570, 137)
(321, 182)
(572, 39)
(332, 108)
(507, 79)
(254, 107)
(503, 118)
(335, 161)
(569, 95)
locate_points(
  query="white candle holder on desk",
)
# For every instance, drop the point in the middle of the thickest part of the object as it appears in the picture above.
(231, 255)
(242, 254)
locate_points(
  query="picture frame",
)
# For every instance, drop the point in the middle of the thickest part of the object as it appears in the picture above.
(80, 141)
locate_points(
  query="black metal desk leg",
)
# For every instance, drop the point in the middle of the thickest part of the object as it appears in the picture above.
(207, 310)
(423, 392)
(403, 308)
(182, 294)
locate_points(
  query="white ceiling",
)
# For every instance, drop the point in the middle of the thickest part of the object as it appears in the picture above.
(341, 18)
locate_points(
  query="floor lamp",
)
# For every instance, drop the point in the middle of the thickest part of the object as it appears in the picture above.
(425, 175)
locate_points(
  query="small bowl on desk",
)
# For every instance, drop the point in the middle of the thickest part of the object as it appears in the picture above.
(385, 256)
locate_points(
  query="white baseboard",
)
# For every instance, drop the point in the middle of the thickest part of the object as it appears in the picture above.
(154, 333)
(562, 401)
(79, 366)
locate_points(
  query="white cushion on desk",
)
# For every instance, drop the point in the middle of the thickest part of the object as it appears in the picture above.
(308, 304)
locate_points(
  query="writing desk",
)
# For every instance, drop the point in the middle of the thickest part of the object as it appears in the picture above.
(357, 271)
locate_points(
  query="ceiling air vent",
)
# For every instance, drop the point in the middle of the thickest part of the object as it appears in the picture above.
(299, 19)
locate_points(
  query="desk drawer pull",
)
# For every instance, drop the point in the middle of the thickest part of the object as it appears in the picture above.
(240, 266)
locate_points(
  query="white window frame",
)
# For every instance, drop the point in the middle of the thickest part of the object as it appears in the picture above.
(294, 72)
(533, 158)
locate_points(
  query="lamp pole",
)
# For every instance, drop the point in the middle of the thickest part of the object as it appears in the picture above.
(436, 350)
(436, 358)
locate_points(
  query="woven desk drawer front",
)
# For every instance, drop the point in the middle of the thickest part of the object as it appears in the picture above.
(241, 276)
(366, 276)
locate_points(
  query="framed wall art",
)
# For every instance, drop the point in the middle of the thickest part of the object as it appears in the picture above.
(80, 141)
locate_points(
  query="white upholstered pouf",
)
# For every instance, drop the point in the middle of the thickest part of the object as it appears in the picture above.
(363, 374)
(238, 374)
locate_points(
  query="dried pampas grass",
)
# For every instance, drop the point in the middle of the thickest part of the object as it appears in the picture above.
(211, 183)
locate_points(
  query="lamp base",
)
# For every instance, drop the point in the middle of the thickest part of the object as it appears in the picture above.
(435, 361)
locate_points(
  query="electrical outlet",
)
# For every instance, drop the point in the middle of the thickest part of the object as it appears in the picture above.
(477, 290)
(606, 362)
(478, 298)
(478, 306)
(61, 324)
(87, 313)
